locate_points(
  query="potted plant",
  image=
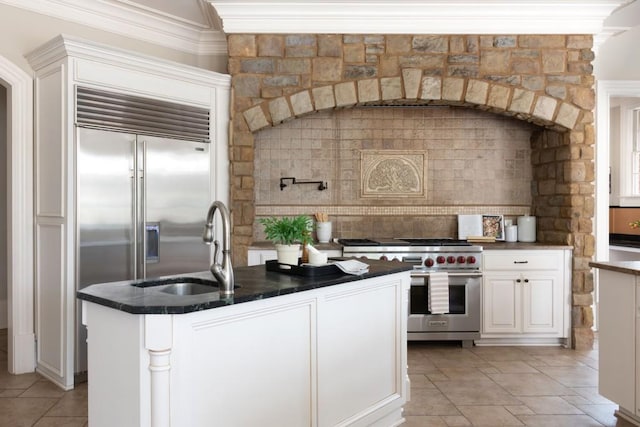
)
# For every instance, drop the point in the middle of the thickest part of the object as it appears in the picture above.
(287, 233)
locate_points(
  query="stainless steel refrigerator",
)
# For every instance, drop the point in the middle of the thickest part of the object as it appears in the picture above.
(141, 208)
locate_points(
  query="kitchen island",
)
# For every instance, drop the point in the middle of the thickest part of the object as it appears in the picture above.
(619, 336)
(323, 350)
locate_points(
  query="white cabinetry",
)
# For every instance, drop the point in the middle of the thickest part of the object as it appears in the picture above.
(333, 356)
(526, 297)
(60, 66)
(619, 341)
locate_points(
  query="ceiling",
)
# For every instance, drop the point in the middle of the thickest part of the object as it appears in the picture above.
(196, 26)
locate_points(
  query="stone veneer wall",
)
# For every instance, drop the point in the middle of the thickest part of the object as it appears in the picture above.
(543, 79)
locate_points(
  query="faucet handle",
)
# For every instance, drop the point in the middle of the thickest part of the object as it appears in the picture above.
(216, 248)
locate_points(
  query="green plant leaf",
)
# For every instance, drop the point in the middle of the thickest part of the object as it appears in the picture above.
(287, 230)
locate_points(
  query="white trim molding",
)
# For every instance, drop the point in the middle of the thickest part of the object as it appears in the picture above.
(415, 16)
(20, 278)
(134, 21)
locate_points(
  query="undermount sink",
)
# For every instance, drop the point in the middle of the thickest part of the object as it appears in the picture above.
(181, 286)
(188, 288)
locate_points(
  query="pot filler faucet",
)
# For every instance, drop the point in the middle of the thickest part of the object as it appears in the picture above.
(222, 272)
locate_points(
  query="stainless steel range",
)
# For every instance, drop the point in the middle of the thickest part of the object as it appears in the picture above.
(459, 259)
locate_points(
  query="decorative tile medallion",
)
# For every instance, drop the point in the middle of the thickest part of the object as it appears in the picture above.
(390, 173)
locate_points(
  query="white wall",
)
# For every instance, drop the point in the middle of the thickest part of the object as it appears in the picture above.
(23, 31)
(614, 155)
(4, 319)
(617, 58)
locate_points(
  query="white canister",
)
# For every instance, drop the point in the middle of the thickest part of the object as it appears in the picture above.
(527, 228)
(323, 231)
(511, 233)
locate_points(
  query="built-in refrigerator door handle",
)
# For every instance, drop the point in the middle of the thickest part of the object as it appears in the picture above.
(134, 204)
(142, 219)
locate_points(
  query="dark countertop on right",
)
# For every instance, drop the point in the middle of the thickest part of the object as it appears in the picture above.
(627, 267)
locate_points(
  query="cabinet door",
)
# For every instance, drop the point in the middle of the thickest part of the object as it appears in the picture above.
(541, 303)
(501, 303)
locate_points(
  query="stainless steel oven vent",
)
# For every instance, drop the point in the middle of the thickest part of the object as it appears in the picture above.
(126, 113)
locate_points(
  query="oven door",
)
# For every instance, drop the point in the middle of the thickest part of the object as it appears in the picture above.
(464, 305)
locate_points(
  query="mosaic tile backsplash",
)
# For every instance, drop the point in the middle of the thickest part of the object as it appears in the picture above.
(439, 160)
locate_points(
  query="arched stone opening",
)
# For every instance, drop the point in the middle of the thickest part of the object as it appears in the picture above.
(545, 80)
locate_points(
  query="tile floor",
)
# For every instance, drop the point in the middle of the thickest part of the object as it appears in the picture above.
(30, 400)
(505, 386)
(450, 386)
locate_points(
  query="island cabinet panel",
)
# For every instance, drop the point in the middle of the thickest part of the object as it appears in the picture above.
(617, 338)
(331, 356)
(246, 369)
(367, 319)
(526, 297)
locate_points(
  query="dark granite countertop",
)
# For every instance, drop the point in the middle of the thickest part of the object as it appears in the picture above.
(253, 283)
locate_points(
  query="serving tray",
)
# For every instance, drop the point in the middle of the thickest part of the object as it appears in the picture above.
(303, 270)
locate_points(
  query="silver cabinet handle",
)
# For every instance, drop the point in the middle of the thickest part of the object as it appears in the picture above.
(521, 262)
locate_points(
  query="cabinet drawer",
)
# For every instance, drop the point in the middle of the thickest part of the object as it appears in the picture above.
(522, 260)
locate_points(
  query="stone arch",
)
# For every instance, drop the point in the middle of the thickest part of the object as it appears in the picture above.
(414, 88)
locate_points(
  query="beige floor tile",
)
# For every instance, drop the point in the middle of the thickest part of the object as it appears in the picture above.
(476, 392)
(423, 421)
(530, 385)
(591, 394)
(550, 405)
(429, 402)
(456, 420)
(559, 360)
(490, 416)
(519, 409)
(559, 421)
(501, 354)
(514, 367)
(43, 388)
(62, 422)
(604, 414)
(23, 381)
(572, 376)
(420, 381)
(23, 411)
(464, 374)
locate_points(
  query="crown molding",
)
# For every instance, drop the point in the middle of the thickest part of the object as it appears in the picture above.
(65, 45)
(135, 22)
(415, 16)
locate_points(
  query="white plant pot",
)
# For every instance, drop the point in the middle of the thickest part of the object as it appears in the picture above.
(288, 254)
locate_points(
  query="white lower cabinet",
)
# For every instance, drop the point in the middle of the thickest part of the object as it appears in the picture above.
(526, 297)
(333, 356)
(619, 341)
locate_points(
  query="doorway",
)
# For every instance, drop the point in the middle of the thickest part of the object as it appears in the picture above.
(606, 93)
(18, 207)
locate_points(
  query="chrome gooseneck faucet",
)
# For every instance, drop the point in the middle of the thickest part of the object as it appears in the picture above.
(223, 272)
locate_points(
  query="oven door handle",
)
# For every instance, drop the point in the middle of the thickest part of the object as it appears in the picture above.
(453, 274)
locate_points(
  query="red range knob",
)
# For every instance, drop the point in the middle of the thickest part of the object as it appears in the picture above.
(461, 260)
(384, 258)
(440, 259)
(451, 259)
(428, 262)
(471, 260)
